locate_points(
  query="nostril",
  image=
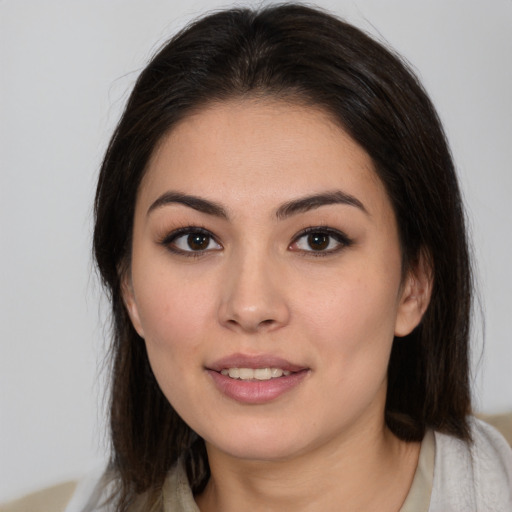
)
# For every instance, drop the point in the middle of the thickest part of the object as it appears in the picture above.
(246, 324)
(250, 310)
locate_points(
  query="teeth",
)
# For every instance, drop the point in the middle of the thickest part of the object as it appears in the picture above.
(246, 373)
(263, 374)
(254, 374)
(234, 373)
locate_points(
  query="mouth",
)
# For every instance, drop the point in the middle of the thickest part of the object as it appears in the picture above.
(254, 373)
(256, 379)
(254, 367)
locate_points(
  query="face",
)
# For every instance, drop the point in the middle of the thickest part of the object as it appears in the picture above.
(266, 279)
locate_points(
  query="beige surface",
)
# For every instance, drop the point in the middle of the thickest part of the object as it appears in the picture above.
(501, 422)
(51, 499)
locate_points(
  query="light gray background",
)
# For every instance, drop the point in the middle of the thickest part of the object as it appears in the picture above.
(65, 69)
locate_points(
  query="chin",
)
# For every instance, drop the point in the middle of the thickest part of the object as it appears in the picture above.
(263, 444)
(263, 450)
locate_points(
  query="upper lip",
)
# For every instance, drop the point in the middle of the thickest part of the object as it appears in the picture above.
(254, 362)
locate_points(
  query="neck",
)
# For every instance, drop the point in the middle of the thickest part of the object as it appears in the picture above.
(369, 469)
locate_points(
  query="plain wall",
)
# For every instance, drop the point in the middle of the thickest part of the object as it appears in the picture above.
(65, 71)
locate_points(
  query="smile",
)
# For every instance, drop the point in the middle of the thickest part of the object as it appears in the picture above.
(254, 373)
(256, 379)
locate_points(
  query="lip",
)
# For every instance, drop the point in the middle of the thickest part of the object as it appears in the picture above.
(256, 391)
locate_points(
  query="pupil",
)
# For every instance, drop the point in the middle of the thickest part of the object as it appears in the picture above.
(318, 241)
(197, 241)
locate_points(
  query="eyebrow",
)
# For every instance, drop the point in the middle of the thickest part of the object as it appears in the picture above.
(194, 202)
(286, 210)
(307, 203)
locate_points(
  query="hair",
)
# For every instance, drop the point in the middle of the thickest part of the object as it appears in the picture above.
(303, 55)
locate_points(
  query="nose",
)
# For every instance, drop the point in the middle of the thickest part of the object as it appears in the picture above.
(253, 298)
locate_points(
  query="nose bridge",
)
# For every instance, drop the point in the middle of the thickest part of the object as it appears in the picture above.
(253, 297)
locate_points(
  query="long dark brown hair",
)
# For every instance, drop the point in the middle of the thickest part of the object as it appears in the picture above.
(304, 55)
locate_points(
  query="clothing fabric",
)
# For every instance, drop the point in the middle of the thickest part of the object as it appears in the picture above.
(418, 498)
(475, 477)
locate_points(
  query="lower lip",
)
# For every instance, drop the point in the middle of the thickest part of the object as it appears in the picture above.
(256, 391)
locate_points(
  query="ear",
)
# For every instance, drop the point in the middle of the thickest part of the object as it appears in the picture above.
(415, 296)
(130, 302)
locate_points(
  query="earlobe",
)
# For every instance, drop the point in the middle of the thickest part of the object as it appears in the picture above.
(415, 297)
(131, 304)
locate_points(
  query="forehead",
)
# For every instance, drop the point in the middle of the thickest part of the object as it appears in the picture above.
(269, 150)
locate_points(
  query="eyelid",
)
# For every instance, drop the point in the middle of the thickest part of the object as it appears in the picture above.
(169, 238)
(343, 240)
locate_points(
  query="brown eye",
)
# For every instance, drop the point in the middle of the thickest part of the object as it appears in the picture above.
(198, 241)
(318, 241)
(188, 241)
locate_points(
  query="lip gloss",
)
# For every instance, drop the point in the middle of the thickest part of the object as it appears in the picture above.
(256, 391)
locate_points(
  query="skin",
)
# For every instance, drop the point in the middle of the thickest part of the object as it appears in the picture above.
(260, 288)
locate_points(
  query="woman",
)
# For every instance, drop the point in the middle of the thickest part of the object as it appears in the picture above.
(280, 229)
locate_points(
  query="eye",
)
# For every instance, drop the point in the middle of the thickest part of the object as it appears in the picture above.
(191, 240)
(320, 240)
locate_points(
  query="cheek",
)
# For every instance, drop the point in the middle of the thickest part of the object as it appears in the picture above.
(174, 321)
(174, 309)
(354, 335)
(353, 319)
(174, 333)
(173, 305)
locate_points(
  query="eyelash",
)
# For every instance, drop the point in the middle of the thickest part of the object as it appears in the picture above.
(171, 238)
(339, 237)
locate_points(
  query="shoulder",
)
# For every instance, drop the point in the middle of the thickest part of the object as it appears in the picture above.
(472, 476)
